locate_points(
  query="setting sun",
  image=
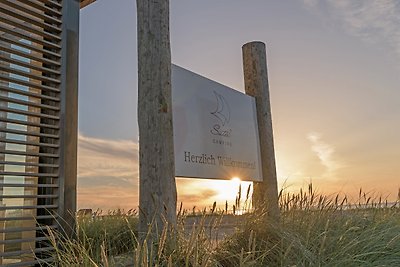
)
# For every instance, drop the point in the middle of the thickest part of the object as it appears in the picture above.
(203, 192)
(228, 190)
(236, 179)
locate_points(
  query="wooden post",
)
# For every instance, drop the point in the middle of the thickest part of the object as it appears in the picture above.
(69, 118)
(265, 194)
(157, 192)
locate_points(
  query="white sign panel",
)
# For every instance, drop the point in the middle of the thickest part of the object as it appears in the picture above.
(215, 129)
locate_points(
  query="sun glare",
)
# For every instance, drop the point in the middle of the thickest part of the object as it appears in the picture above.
(236, 180)
(212, 190)
(228, 190)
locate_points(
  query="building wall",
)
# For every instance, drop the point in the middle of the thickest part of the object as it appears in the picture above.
(37, 124)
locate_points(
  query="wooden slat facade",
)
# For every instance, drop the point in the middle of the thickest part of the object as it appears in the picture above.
(38, 125)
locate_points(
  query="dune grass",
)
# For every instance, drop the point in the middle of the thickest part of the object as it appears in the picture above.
(317, 230)
(314, 230)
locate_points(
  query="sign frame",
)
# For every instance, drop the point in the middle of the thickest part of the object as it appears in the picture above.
(215, 129)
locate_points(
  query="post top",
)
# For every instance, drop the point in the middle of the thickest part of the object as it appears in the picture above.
(254, 43)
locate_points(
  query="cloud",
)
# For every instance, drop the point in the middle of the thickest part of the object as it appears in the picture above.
(324, 152)
(108, 173)
(107, 159)
(374, 21)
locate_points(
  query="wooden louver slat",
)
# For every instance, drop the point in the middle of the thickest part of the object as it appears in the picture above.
(29, 174)
(12, 141)
(29, 113)
(27, 83)
(43, 70)
(53, 4)
(30, 46)
(28, 185)
(25, 252)
(34, 30)
(29, 103)
(26, 19)
(39, 6)
(24, 218)
(29, 55)
(23, 240)
(29, 75)
(29, 94)
(30, 133)
(25, 229)
(28, 196)
(29, 37)
(28, 123)
(24, 153)
(31, 11)
(30, 207)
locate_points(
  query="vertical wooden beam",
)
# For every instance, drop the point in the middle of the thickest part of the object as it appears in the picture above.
(157, 192)
(69, 116)
(256, 84)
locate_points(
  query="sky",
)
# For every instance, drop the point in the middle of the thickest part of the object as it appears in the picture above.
(334, 80)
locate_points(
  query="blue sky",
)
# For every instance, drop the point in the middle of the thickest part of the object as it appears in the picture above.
(333, 72)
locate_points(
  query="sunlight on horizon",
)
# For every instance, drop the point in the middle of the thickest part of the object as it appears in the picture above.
(203, 192)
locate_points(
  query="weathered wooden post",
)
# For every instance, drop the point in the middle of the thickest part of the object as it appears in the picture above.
(265, 194)
(157, 192)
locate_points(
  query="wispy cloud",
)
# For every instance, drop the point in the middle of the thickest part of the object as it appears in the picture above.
(107, 173)
(116, 159)
(375, 21)
(324, 151)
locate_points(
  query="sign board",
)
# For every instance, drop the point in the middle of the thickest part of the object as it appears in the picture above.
(215, 129)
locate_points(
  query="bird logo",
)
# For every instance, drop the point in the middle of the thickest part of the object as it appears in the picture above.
(223, 112)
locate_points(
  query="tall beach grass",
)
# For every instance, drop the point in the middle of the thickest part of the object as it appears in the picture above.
(314, 230)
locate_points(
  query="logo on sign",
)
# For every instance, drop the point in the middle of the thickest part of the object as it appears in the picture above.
(223, 114)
